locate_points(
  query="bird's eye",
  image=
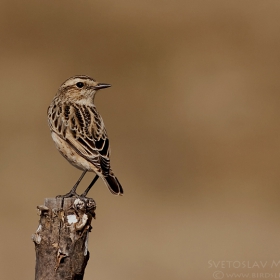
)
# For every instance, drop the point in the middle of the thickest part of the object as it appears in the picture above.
(80, 84)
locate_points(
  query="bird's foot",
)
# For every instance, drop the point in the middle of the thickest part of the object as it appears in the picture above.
(69, 194)
(83, 195)
(82, 203)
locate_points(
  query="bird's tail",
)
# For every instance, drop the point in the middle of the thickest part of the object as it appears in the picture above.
(113, 184)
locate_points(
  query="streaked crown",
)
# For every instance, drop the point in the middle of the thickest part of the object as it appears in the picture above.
(80, 87)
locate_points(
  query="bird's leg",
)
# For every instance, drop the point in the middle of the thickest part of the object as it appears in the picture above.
(73, 190)
(90, 185)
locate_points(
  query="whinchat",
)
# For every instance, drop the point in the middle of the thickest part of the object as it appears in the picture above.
(79, 132)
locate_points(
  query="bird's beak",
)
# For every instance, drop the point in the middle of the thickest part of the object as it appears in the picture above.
(101, 86)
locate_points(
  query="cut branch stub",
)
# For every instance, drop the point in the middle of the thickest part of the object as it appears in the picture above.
(62, 237)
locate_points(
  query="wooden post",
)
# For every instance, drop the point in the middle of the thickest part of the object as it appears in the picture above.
(61, 240)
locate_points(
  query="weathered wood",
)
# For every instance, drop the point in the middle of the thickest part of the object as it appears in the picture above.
(62, 237)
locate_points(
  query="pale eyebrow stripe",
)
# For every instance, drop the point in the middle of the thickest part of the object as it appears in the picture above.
(83, 78)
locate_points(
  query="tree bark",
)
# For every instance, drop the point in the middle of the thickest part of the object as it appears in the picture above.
(62, 237)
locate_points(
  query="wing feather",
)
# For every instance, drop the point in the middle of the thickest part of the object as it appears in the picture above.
(82, 127)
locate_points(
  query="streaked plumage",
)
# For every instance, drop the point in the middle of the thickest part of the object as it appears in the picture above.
(78, 129)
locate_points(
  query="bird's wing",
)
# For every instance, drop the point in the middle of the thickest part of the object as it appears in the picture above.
(83, 129)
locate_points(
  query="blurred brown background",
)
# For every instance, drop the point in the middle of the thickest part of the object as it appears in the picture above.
(193, 117)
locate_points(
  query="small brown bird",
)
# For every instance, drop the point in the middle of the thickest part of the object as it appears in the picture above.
(79, 132)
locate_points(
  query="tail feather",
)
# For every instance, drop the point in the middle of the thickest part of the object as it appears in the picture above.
(113, 184)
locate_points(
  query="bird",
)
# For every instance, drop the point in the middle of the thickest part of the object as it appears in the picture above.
(79, 133)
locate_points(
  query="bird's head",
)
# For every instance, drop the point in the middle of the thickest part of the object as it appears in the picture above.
(81, 89)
